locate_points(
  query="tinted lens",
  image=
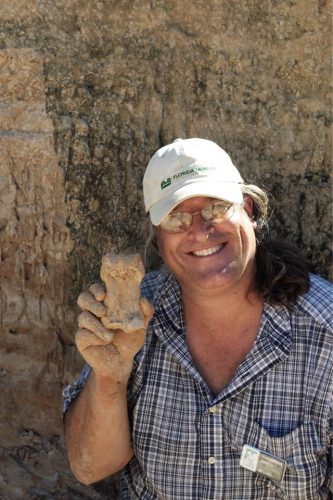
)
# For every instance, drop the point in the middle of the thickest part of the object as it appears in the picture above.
(177, 222)
(217, 212)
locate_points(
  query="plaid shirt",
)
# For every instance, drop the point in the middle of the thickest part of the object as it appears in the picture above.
(188, 443)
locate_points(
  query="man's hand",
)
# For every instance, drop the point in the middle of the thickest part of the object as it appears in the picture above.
(109, 352)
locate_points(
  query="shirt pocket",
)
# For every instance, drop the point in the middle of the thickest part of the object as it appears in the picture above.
(305, 455)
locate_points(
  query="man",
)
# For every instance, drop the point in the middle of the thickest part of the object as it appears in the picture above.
(228, 394)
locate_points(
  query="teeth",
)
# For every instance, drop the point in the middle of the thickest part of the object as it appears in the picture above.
(207, 251)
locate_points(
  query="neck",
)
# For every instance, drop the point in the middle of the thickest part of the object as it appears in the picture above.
(220, 331)
(212, 307)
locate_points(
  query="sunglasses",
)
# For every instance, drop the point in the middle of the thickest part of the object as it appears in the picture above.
(215, 212)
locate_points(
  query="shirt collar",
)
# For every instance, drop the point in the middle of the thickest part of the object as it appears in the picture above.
(275, 318)
(169, 305)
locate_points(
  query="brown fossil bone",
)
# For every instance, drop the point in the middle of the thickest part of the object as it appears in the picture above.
(122, 275)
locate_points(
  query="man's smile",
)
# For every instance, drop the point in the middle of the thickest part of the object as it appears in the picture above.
(208, 251)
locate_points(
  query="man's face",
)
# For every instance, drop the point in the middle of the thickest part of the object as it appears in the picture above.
(209, 257)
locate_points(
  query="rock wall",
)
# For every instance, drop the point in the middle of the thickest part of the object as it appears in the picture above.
(88, 91)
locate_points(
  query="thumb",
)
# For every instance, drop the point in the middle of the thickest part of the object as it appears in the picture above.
(147, 309)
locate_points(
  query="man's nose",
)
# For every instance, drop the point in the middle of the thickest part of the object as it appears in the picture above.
(200, 227)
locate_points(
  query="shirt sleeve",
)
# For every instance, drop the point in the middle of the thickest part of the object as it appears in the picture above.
(73, 390)
(330, 458)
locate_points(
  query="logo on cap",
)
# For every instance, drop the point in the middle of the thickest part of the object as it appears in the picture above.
(166, 183)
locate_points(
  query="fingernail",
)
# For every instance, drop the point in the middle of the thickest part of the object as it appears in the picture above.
(108, 335)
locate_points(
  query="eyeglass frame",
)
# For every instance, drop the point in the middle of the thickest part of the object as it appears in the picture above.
(228, 205)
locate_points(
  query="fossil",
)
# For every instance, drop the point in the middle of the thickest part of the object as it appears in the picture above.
(122, 275)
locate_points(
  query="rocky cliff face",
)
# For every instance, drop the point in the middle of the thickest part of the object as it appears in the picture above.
(88, 91)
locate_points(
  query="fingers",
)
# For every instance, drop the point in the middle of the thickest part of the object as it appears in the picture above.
(89, 322)
(88, 302)
(110, 325)
(147, 309)
(85, 338)
(98, 291)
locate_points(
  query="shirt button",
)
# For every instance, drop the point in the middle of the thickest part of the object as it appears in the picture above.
(213, 409)
(212, 460)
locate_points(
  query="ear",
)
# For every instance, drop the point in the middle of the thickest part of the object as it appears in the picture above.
(157, 240)
(249, 209)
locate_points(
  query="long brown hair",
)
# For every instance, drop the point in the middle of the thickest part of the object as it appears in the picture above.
(282, 273)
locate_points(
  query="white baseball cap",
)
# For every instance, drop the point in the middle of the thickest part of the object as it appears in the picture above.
(187, 168)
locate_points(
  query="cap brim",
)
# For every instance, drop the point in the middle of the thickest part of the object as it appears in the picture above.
(220, 190)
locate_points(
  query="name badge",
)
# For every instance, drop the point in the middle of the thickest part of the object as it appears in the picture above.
(263, 463)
